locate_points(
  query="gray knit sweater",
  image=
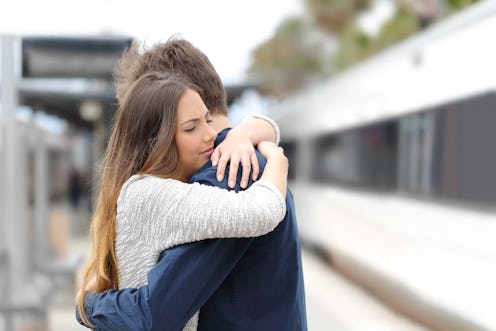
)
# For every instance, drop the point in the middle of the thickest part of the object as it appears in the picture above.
(154, 214)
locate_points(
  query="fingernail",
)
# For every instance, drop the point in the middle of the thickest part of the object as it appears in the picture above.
(243, 184)
(231, 184)
(214, 163)
(219, 177)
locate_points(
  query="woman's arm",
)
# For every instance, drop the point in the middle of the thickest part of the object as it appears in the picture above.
(278, 163)
(170, 212)
(259, 128)
(238, 148)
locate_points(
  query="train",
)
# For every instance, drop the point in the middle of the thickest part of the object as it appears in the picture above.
(393, 170)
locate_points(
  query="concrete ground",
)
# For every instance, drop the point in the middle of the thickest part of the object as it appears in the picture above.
(333, 301)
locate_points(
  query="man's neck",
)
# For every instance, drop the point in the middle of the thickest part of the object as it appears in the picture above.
(220, 122)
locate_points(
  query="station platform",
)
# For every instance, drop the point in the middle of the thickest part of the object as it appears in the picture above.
(376, 273)
(334, 302)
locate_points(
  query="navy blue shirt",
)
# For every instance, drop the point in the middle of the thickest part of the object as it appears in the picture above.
(238, 283)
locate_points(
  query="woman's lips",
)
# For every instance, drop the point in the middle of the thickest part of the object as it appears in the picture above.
(207, 152)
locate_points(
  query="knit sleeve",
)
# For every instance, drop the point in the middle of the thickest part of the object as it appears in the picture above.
(172, 213)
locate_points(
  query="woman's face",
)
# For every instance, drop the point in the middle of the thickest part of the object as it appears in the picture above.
(194, 136)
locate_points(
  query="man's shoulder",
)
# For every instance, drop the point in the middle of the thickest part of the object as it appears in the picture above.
(207, 175)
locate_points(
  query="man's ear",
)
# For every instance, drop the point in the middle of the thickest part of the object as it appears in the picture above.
(219, 122)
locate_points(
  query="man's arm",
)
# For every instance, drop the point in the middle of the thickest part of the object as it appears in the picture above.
(180, 283)
(196, 271)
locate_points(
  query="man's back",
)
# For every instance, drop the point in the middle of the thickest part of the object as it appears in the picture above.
(265, 289)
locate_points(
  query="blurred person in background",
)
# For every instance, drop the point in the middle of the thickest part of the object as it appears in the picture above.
(243, 283)
(161, 137)
(75, 187)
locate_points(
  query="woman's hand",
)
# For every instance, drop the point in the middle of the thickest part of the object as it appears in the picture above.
(91, 286)
(276, 169)
(236, 148)
(269, 149)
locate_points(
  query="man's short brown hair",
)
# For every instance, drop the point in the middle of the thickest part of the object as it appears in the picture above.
(178, 56)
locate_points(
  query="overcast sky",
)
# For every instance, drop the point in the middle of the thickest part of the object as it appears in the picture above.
(226, 30)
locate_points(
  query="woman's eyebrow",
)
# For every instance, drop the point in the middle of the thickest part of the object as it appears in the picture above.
(191, 120)
(194, 119)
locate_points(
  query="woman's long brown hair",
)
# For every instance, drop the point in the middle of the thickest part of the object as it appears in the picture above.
(142, 141)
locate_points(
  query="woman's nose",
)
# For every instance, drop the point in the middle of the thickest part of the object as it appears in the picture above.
(210, 133)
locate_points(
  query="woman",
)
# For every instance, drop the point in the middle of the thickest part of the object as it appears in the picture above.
(161, 137)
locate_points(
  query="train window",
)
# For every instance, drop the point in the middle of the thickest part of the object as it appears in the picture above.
(378, 154)
(291, 153)
(464, 155)
(336, 159)
(416, 145)
(448, 151)
(444, 152)
(364, 156)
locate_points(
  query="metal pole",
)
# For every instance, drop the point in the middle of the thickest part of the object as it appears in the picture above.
(8, 100)
(13, 195)
(41, 200)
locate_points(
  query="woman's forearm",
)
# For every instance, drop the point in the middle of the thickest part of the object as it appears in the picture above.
(238, 148)
(258, 128)
(276, 169)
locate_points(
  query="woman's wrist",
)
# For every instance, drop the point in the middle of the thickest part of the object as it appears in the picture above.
(281, 159)
(273, 124)
(258, 128)
(236, 132)
(277, 157)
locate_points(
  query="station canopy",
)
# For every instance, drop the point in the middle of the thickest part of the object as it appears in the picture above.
(61, 74)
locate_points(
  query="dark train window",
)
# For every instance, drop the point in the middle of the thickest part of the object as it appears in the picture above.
(445, 152)
(464, 153)
(364, 156)
(291, 153)
(448, 152)
(416, 140)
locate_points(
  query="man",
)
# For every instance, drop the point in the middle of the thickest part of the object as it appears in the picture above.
(237, 284)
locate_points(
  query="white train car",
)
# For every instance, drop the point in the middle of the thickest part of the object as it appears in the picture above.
(393, 169)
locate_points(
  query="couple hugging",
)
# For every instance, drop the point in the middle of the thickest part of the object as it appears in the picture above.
(183, 237)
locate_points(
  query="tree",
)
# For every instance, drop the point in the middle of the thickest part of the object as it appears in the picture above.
(289, 59)
(298, 52)
(335, 15)
(412, 16)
